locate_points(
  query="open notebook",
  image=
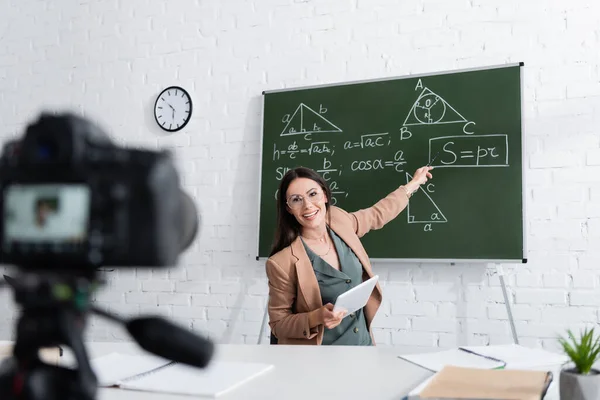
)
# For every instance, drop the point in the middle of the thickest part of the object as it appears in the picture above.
(460, 357)
(154, 374)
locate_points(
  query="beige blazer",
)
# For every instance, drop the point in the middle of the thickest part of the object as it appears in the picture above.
(293, 287)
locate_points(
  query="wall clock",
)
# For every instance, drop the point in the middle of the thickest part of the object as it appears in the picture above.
(173, 108)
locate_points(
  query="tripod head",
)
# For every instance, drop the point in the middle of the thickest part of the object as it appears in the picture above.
(71, 202)
(54, 308)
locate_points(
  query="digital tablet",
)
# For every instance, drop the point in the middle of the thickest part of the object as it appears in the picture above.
(355, 298)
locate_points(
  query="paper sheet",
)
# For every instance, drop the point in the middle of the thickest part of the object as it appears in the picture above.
(435, 361)
(219, 377)
(520, 357)
(155, 374)
(114, 367)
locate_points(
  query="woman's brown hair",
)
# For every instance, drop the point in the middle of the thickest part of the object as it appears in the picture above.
(288, 228)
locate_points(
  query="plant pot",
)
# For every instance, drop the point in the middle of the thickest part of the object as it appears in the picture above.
(574, 386)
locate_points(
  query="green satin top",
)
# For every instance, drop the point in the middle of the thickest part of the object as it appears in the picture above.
(352, 331)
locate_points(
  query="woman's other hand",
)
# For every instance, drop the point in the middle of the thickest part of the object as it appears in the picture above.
(331, 319)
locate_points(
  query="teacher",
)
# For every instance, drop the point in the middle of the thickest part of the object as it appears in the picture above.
(317, 255)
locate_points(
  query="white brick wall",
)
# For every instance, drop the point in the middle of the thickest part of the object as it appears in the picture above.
(108, 60)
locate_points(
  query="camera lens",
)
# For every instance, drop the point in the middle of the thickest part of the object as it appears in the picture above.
(46, 151)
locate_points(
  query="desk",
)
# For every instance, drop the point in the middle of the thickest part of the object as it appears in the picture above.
(301, 372)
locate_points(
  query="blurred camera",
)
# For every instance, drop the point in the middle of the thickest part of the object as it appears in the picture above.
(70, 199)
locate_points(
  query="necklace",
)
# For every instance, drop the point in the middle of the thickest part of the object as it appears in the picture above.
(328, 249)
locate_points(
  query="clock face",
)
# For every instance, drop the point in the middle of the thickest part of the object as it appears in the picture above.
(173, 109)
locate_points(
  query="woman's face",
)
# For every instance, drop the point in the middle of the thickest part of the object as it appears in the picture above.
(306, 201)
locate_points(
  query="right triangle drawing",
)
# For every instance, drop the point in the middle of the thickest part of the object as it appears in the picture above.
(305, 120)
(422, 209)
(430, 109)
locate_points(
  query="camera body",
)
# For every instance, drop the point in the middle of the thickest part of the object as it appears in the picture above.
(70, 199)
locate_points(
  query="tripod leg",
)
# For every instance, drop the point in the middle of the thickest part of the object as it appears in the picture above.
(8, 370)
(263, 323)
(25, 376)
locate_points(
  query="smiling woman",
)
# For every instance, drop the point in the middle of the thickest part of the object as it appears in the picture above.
(317, 255)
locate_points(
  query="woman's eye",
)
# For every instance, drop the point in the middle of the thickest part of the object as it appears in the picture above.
(295, 199)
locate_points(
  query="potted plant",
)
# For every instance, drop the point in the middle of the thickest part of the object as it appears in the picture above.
(580, 381)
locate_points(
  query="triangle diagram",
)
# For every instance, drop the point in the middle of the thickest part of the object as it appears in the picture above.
(305, 120)
(422, 209)
(431, 109)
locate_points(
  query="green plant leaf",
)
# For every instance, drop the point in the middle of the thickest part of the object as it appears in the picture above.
(583, 352)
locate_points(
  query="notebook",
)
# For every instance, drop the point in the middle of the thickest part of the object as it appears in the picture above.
(154, 374)
(473, 383)
(520, 357)
(460, 357)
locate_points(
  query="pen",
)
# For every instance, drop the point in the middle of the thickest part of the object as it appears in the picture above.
(484, 356)
(433, 159)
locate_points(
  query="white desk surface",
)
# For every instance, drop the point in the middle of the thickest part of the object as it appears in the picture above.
(300, 372)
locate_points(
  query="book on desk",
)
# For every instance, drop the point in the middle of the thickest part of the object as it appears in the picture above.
(485, 384)
(502, 364)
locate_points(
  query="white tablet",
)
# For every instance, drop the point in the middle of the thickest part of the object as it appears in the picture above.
(355, 298)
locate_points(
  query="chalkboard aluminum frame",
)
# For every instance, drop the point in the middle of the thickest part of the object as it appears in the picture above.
(260, 163)
(410, 76)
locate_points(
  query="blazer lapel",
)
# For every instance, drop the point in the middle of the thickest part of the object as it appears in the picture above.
(354, 243)
(348, 236)
(307, 280)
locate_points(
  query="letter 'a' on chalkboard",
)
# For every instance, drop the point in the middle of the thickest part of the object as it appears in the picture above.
(368, 137)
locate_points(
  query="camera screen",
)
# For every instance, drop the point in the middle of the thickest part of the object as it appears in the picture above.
(49, 213)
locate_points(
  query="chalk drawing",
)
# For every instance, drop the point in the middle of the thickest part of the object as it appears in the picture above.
(305, 120)
(424, 209)
(431, 109)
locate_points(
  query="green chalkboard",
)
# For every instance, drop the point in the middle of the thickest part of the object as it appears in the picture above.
(367, 138)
